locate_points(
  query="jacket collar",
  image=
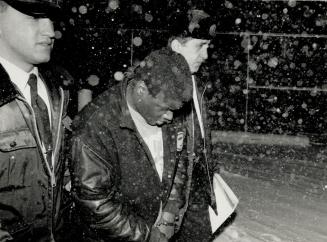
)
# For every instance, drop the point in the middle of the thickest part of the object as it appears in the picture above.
(126, 120)
(8, 91)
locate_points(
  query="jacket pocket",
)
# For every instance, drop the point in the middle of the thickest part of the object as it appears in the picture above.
(17, 158)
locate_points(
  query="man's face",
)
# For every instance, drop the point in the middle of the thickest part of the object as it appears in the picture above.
(156, 110)
(195, 51)
(24, 40)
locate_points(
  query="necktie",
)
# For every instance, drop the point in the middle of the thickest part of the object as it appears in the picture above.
(41, 116)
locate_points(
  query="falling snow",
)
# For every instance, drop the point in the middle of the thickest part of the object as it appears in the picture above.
(266, 75)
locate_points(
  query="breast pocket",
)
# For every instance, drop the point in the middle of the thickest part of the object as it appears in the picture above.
(18, 159)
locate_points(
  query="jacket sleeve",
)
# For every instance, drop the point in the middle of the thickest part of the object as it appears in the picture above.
(96, 195)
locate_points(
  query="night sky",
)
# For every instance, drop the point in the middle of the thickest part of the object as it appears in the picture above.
(265, 74)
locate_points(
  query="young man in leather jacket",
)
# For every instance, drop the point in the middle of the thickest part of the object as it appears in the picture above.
(129, 159)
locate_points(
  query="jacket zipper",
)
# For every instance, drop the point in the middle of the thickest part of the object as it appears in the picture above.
(50, 169)
(38, 140)
(53, 177)
(59, 123)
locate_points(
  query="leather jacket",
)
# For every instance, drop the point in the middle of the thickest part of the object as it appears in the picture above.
(30, 189)
(115, 184)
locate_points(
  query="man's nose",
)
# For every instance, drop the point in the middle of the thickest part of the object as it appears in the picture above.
(47, 27)
(204, 54)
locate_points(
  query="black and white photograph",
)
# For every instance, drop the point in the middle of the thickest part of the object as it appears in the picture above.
(163, 120)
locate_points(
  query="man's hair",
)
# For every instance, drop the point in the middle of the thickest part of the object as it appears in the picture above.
(167, 72)
(191, 24)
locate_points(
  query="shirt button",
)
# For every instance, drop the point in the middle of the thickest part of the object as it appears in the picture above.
(169, 176)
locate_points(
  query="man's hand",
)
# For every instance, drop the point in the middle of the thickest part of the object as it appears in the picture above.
(166, 224)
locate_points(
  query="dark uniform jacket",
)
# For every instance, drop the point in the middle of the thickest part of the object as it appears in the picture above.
(29, 194)
(201, 191)
(201, 147)
(115, 182)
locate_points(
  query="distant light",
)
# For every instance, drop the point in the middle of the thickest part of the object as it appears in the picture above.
(253, 66)
(148, 17)
(237, 64)
(137, 8)
(237, 79)
(119, 76)
(238, 21)
(113, 4)
(82, 9)
(273, 62)
(137, 41)
(58, 34)
(228, 4)
(314, 45)
(264, 16)
(292, 3)
(93, 80)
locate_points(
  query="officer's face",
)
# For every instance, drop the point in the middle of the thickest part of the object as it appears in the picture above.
(25, 40)
(195, 52)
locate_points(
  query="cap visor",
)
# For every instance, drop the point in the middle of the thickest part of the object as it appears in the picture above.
(36, 9)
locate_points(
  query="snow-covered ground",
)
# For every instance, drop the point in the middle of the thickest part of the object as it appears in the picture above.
(271, 213)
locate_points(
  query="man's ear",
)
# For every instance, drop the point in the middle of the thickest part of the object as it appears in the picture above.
(175, 46)
(141, 89)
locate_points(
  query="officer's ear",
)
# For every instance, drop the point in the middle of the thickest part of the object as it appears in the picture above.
(176, 45)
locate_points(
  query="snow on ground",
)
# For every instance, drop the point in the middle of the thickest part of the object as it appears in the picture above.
(271, 213)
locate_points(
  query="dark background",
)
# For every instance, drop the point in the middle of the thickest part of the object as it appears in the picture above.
(266, 71)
